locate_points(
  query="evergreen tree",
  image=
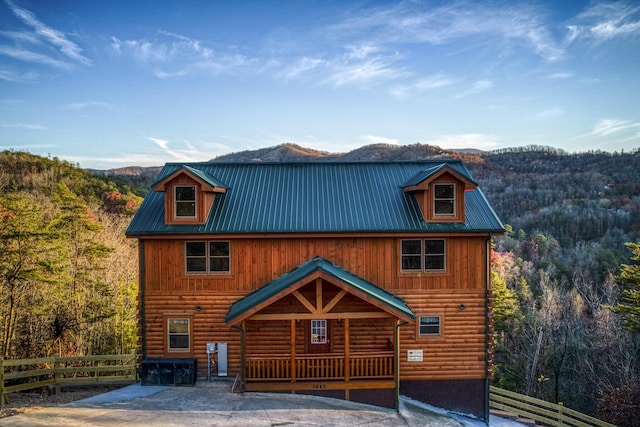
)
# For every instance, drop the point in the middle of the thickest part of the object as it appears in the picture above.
(628, 306)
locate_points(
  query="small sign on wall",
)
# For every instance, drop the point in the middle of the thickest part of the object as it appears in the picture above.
(414, 355)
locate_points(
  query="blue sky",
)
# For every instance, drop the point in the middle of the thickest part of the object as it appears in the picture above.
(121, 83)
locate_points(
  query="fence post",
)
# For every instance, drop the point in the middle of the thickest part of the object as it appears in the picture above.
(134, 364)
(56, 373)
(560, 412)
(3, 398)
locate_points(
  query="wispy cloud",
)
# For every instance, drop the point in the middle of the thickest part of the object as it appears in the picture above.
(27, 126)
(49, 35)
(88, 104)
(416, 22)
(174, 55)
(33, 57)
(436, 81)
(609, 126)
(21, 36)
(467, 140)
(187, 154)
(605, 21)
(300, 67)
(373, 139)
(363, 65)
(558, 76)
(547, 114)
(17, 77)
(476, 87)
(364, 69)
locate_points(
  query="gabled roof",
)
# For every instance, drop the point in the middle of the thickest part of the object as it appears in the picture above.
(314, 197)
(456, 169)
(301, 275)
(196, 174)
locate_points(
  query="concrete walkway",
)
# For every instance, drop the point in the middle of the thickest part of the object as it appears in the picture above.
(213, 404)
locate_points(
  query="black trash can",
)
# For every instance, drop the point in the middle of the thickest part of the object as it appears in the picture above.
(169, 371)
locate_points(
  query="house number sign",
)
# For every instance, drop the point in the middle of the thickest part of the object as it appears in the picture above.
(414, 355)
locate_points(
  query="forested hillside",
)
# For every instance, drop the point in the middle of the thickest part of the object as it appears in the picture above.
(67, 273)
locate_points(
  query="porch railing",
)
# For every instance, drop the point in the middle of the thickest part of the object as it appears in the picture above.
(320, 367)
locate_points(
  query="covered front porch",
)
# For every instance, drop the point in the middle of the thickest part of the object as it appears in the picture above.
(322, 330)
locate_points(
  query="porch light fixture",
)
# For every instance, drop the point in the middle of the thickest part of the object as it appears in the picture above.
(198, 308)
(461, 307)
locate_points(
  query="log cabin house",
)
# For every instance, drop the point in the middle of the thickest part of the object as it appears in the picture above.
(354, 280)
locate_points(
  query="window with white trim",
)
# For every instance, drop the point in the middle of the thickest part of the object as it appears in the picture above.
(423, 255)
(429, 326)
(318, 332)
(185, 201)
(178, 330)
(207, 257)
(444, 199)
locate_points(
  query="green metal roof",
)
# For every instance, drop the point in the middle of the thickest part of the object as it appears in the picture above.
(314, 197)
(200, 174)
(426, 174)
(284, 282)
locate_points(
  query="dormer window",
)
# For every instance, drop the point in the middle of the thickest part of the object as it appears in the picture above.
(185, 199)
(189, 195)
(440, 192)
(444, 199)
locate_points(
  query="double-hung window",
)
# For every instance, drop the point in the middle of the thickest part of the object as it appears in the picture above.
(429, 326)
(179, 334)
(207, 257)
(423, 255)
(185, 199)
(444, 199)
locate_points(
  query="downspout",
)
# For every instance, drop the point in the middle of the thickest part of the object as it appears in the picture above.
(141, 285)
(486, 328)
(242, 361)
(397, 367)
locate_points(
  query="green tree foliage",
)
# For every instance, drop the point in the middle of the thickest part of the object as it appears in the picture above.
(628, 306)
(25, 261)
(67, 272)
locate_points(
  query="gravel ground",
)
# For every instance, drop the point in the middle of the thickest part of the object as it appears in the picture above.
(32, 400)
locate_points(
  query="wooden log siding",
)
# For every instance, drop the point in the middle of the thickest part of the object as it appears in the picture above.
(255, 262)
(458, 354)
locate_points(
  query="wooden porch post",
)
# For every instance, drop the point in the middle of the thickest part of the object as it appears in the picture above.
(347, 358)
(293, 351)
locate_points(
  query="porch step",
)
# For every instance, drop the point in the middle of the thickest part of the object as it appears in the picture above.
(512, 416)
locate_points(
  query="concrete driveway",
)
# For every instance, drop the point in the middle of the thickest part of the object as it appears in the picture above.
(213, 404)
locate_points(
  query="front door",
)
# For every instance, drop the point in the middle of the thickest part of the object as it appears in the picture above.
(318, 336)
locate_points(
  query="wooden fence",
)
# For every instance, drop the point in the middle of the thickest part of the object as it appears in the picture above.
(27, 374)
(542, 412)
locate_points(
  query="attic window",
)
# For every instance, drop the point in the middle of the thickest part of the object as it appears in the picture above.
(185, 201)
(444, 199)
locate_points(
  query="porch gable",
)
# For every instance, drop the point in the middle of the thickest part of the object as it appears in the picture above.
(317, 268)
